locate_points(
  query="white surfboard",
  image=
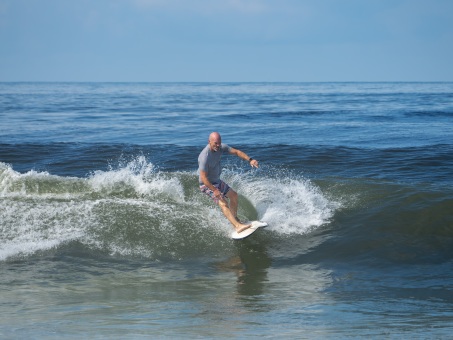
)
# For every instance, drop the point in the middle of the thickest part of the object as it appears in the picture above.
(249, 231)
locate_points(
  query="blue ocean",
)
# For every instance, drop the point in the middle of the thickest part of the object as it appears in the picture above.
(104, 233)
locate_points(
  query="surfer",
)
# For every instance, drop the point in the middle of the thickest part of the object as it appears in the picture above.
(209, 177)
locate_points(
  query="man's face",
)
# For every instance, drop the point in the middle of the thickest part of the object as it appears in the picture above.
(214, 143)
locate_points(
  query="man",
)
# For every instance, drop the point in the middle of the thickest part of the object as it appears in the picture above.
(210, 182)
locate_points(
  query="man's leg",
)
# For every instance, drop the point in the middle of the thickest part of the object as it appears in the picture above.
(229, 210)
(231, 217)
(233, 198)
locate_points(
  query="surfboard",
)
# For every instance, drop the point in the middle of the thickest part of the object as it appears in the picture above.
(249, 231)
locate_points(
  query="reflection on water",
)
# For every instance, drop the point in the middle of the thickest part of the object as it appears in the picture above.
(250, 266)
(253, 278)
(262, 277)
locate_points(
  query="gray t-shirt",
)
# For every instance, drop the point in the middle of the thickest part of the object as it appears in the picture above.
(209, 161)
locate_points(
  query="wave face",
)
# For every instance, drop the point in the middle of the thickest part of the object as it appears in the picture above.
(137, 210)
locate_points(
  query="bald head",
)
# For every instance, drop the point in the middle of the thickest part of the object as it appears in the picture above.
(215, 136)
(215, 141)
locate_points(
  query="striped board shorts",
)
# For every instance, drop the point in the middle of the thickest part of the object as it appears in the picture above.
(222, 186)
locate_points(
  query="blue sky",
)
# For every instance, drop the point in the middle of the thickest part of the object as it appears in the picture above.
(226, 40)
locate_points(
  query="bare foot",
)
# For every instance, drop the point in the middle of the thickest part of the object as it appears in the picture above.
(241, 227)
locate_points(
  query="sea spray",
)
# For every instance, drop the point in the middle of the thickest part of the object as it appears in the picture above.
(136, 210)
(138, 178)
(290, 203)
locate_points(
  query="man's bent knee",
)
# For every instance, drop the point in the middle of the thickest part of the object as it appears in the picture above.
(232, 194)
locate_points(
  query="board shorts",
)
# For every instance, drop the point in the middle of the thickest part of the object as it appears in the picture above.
(222, 186)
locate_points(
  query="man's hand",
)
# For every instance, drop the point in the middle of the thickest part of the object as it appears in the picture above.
(254, 163)
(218, 195)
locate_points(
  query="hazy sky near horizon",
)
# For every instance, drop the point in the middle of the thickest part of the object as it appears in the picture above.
(226, 40)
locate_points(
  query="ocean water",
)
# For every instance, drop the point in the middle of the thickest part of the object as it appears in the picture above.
(104, 234)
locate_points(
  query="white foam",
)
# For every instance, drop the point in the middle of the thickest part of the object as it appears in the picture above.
(42, 211)
(32, 225)
(36, 184)
(110, 208)
(7, 178)
(288, 205)
(139, 176)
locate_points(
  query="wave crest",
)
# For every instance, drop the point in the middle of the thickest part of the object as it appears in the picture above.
(137, 210)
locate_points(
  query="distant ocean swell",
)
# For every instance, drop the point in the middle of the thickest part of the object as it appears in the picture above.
(137, 210)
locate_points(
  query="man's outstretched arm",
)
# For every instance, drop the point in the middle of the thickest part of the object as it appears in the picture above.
(253, 162)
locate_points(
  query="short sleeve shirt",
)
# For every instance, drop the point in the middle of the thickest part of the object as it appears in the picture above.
(209, 161)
